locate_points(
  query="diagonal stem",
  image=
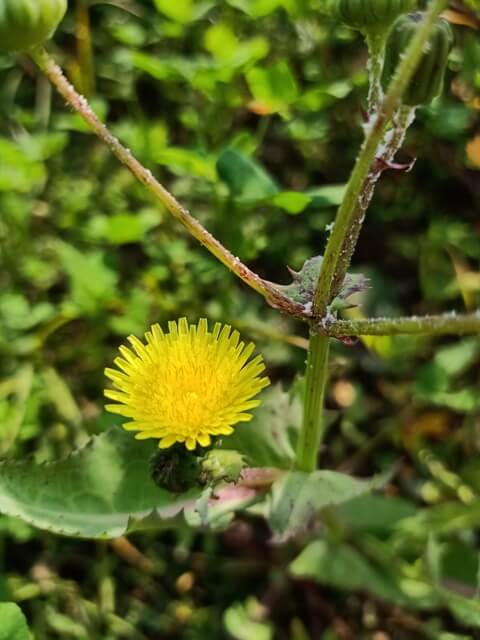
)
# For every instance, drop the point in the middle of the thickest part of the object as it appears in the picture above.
(55, 74)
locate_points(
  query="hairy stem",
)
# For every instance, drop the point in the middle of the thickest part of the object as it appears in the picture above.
(444, 324)
(366, 159)
(80, 105)
(376, 47)
(391, 143)
(313, 415)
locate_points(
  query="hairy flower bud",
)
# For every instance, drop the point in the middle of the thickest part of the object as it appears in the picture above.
(427, 81)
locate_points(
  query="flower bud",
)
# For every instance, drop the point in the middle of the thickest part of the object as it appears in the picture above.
(25, 24)
(370, 15)
(427, 81)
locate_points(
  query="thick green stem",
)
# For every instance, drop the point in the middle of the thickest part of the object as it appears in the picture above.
(366, 159)
(444, 324)
(313, 415)
(79, 103)
(376, 53)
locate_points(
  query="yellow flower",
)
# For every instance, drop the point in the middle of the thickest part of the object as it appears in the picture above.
(186, 385)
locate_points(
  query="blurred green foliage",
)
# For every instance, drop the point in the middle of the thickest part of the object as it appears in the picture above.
(250, 111)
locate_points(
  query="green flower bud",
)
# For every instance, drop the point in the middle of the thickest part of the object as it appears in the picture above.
(222, 465)
(370, 15)
(427, 81)
(24, 24)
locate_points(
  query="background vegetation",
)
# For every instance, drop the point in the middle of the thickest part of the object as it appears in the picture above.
(250, 110)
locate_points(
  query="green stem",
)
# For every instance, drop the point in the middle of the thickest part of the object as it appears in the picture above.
(79, 103)
(313, 416)
(376, 46)
(391, 143)
(444, 324)
(366, 159)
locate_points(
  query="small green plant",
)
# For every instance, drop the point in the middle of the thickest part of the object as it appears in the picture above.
(184, 391)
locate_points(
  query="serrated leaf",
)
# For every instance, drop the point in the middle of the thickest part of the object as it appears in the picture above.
(13, 625)
(269, 439)
(102, 490)
(297, 498)
(302, 288)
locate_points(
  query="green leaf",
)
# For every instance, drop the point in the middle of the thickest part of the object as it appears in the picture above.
(465, 610)
(297, 498)
(257, 8)
(463, 401)
(19, 171)
(330, 195)
(13, 625)
(442, 519)
(187, 162)
(100, 491)
(17, 313)
(341, 566)
(92, 282)
(245, 178)
(434, 380)
(292, 201)
(60, 395)
(269, 439)
(21, 387)
(221, 41)
(455, 358)
(375, 513)
(242, 623)
(184, 11)
(123, 228)
(275, 87)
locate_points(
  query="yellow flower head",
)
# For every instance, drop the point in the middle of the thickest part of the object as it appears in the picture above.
(186, 385)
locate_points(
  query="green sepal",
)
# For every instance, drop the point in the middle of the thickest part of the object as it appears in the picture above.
(222, 465)
(302, 288)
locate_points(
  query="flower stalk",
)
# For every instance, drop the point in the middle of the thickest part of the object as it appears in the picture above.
(79, 103)
(313, 426)
(376, 46)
